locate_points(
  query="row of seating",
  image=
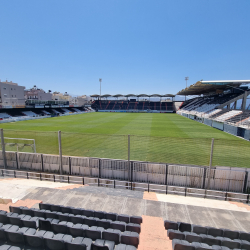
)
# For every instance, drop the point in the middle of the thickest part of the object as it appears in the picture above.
(48, 240)
(185, 245)
(208, 239)
(26, 220)
(91, 213)
(216, 232)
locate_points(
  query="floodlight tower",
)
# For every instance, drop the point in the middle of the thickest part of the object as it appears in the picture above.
(186, 79)
(100, 80)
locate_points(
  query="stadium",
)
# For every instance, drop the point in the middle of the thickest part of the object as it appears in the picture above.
(128, 171)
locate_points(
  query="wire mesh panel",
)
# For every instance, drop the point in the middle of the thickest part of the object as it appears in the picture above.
(51, 163)
(231, 153)
(95, 145)
(185, 176)
(226, 180)
(91, 181)
(170, 150)
(29, 161)
(114, 169)
(11, 159)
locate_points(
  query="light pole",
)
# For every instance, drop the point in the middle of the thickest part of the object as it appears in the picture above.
(100, 80)
(186, 79)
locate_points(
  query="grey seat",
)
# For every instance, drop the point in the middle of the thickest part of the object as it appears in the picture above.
(201, 246)
(50, 214)
(185, 227)
(123, 217)
(104, 223)
(242, 236)
(63, 216)
(89, 213)
(100, 214)
(192, 237)
(119, 225)
(39, 213)
(199, 229)
(181, 245)
(111, 216)
(133, 227)
(9, 247)
(61, 227)
(16, 219)
(231, 234)
(78, 230)
(136, 219)
(175, 234)
(29, 221)
(79, 243)
(58, 241)
(2, 231)
(27, 211)
(94, 232)
(130, 238)
(55, 208)
(36, 239)
(210, 240)
(14, 209)
(245, 245)
(44, 206)
(226, 242)
(77, 211)
(215, 231)
(78, 219)
(3, 217)
(124, 247)
(66, 209)
(103, 245)
(15, 234)
(91, 221)
(112, 235)
(171, 225)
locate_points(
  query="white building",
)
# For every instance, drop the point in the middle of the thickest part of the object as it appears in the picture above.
(11, 94)
(37, 94)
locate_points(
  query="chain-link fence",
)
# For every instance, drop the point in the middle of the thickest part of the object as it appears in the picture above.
(170, 150)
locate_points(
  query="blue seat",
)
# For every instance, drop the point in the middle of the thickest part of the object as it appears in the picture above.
(112, 235)
(103, 245)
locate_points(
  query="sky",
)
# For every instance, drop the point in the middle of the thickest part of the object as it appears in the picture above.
(135, 46)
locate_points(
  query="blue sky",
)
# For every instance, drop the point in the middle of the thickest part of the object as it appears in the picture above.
(135, 46)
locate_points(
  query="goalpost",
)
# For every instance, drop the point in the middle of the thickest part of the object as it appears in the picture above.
(20, 144)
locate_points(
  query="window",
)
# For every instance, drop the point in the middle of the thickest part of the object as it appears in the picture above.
(5, 95)
(10, 88)
(4, 88)
(12, 95)
(15, 95)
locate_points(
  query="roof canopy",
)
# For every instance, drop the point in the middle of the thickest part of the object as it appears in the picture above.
(130, 95)
(107, 95)
(142, 95)
(95, 96)
(203, 87)
(118, 95)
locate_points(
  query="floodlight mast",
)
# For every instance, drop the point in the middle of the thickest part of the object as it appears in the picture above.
(186, 79)
(100, 80)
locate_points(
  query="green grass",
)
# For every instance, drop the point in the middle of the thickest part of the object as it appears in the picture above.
(166, 138)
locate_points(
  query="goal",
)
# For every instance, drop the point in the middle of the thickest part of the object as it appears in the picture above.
(20, 144)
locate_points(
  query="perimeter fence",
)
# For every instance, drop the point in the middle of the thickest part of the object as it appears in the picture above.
(195, 163)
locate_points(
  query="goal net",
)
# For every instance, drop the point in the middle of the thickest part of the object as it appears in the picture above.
(20, 144)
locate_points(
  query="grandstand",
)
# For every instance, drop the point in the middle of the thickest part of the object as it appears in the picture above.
(222, 104)
(134, 105)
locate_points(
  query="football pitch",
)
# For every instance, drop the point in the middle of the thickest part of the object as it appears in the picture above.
(168, 138)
